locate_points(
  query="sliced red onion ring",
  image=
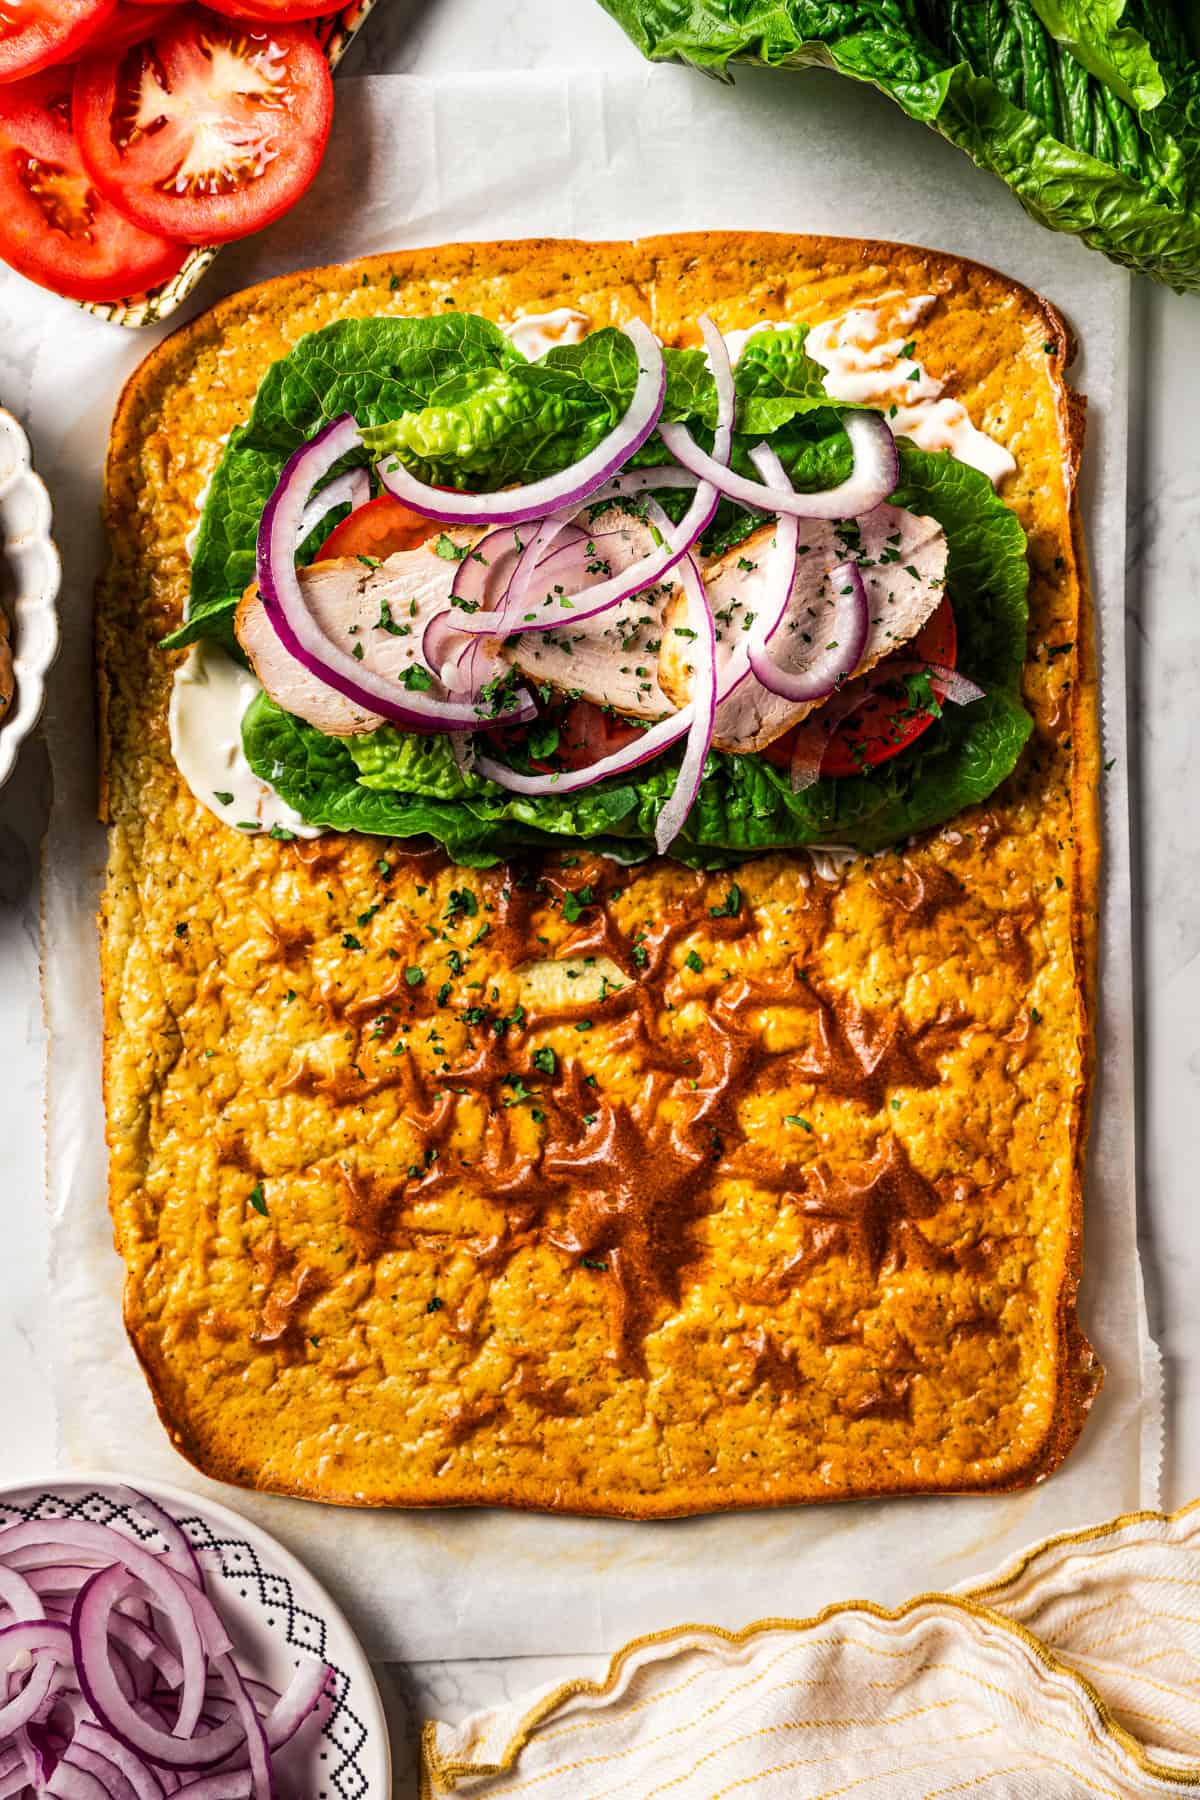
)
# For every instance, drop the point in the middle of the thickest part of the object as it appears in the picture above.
(553, 493)
(19, 1595)
(694, 721)
(297, 630)
(27, 1700)
(948, 684)
(140, 1776)
(113, 1782)
(591, 599)
(262, 1775)
(874, 476)
(232, 1786)
(833, 661)
(103, 1693)
(353, 489)
(73, 1781)
(703, 707)
(180, 1555)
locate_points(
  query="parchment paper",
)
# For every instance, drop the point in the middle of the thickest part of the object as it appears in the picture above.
(536, 154)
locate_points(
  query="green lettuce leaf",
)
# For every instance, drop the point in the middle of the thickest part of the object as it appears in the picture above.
(374, 368)
(398, 783)
(1088, 109)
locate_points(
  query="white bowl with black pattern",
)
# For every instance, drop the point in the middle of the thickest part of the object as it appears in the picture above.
(274, 1611)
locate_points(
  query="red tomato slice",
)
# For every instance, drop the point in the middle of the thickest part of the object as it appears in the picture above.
(267, 10)
(884, 724)
(209, 130)
(34, 33)
(379, 528)
(54, 227)
(587, 734)
(129, 22)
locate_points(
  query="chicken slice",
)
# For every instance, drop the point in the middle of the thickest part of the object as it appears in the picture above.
(902, 557)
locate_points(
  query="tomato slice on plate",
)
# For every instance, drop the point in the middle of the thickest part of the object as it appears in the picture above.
(34, 33)
(208, 130)
(379, 528)
(54, 227)
(886, 723)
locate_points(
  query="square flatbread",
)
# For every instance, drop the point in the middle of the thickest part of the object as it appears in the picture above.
(793, 1211)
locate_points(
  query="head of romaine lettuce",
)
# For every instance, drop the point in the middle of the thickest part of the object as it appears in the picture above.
(455, 400)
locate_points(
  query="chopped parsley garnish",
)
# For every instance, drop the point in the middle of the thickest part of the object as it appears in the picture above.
(730, 907)
(449, 550)
(350, 942)
(220, 794)
(416, 679)
(282, 835)
(414, 975)
(593, 1262)
(518, 1090)
(256, 1199)
(574, 901)
(462, 900)
(795, 1119)
(692, 959)
(181, 929)
(434, 1305)
(545, 1060)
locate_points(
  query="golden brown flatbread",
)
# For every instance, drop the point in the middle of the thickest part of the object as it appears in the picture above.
(793, 1210)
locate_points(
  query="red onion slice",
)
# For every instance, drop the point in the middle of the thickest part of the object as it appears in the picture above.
(103, 1693)
(834, 660)
(694, 721)
(553, 493)
(180, 1555)
(262, 1776)
(74, 1779)
(703, 708)
(25, 1703)
(297, 630)
(19, 1595)
(874, 476)
(233, 1786)
(140, 1776)
(353, 489)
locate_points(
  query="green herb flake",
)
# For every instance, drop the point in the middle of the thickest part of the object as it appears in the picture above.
(256, 1199)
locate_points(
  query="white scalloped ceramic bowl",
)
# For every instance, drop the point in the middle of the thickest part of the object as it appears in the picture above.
(30, 576)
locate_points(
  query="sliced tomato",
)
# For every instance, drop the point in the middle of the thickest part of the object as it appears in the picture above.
(886, 723)
(379, 528)
(208, 130)
(36, 33)
(587, 734)
(266, 10)
(126, 24)
(54, 227)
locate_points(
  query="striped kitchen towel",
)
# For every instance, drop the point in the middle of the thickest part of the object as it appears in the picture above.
(1075, 1672)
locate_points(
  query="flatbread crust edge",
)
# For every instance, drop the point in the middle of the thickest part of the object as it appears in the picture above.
(507, 264)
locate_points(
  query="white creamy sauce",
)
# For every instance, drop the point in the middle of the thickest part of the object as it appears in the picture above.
(535, 333)
(864, 366)
(208, 702)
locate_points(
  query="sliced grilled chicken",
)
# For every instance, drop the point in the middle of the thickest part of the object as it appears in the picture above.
(383, 611)
(902, 557)
(611, 660)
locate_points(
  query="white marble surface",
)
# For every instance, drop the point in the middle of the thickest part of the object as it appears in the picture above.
(1164, 579)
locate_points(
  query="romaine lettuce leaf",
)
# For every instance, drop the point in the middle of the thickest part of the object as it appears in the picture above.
(1088, 109)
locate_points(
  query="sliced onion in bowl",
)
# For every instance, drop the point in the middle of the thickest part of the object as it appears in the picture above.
(283, 598)
(873, 478)
(553, 493)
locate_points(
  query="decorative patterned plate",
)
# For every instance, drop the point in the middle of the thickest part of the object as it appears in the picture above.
(335, 33)
(30, 575)
(273, 1608)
